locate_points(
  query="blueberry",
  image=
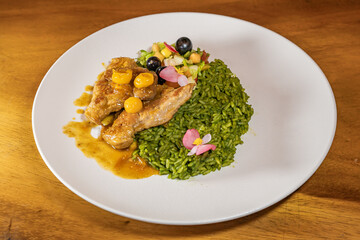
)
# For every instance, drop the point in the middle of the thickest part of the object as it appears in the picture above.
(183, 45)
(153, 63)
(161, 81)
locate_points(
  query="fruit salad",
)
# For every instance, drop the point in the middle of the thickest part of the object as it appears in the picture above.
(176, 64)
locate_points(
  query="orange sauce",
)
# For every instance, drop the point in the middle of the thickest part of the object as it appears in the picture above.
(84, 100)
(89, 88)
(120, 162)
(80, 111)
(100, 75)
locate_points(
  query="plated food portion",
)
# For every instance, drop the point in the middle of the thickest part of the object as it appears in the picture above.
(170, 111)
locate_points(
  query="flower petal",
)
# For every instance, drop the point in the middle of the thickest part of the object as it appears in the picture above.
(182, 80)
(193, 151)
(169, 74)
(190, 137)
(204, 148)
(206, 138)
(171, 48)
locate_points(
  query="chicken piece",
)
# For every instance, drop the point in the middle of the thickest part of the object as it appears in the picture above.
(109, 97)
(146, 93)
(157, 112)
(122, 62)
(106, 98)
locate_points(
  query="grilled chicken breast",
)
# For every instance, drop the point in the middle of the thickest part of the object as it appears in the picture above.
(109, 97)
(157, 112)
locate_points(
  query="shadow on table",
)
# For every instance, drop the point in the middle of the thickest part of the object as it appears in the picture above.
(149, 230)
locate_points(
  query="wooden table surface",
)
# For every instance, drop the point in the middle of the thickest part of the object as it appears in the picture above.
(34, 204)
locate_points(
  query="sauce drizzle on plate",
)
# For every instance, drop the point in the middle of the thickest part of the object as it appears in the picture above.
(120, 162)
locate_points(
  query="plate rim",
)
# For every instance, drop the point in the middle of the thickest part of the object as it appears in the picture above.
(175, 222)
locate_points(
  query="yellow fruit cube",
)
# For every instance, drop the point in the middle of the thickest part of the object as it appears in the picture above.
(166, 52)
(159, 56)
(155, 47)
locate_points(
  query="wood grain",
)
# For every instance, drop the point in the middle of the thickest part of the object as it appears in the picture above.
(35, 205)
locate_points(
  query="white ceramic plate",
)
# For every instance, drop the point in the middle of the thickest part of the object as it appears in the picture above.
(291, 131)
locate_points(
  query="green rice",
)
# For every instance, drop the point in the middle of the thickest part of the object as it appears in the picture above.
(218, 106)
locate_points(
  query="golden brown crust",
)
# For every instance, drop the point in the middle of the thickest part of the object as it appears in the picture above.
(157, 112)
(109, 97)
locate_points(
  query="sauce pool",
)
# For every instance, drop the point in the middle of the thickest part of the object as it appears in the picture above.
(84, 100)
(120, 162)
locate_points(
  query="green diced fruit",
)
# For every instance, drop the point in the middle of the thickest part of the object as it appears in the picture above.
(107, 120)
(187, 55)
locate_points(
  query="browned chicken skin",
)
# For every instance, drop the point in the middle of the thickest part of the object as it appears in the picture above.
(109, 97)
(157, 112)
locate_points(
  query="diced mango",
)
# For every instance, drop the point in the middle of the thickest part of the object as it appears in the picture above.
(159, 56)
(166, 52)
(155, 47)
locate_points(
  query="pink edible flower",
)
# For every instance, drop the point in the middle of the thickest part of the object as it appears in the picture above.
(171, 48)
(170, 74)
(193, 142)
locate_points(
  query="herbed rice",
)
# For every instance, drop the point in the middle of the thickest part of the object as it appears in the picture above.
(218, 106)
